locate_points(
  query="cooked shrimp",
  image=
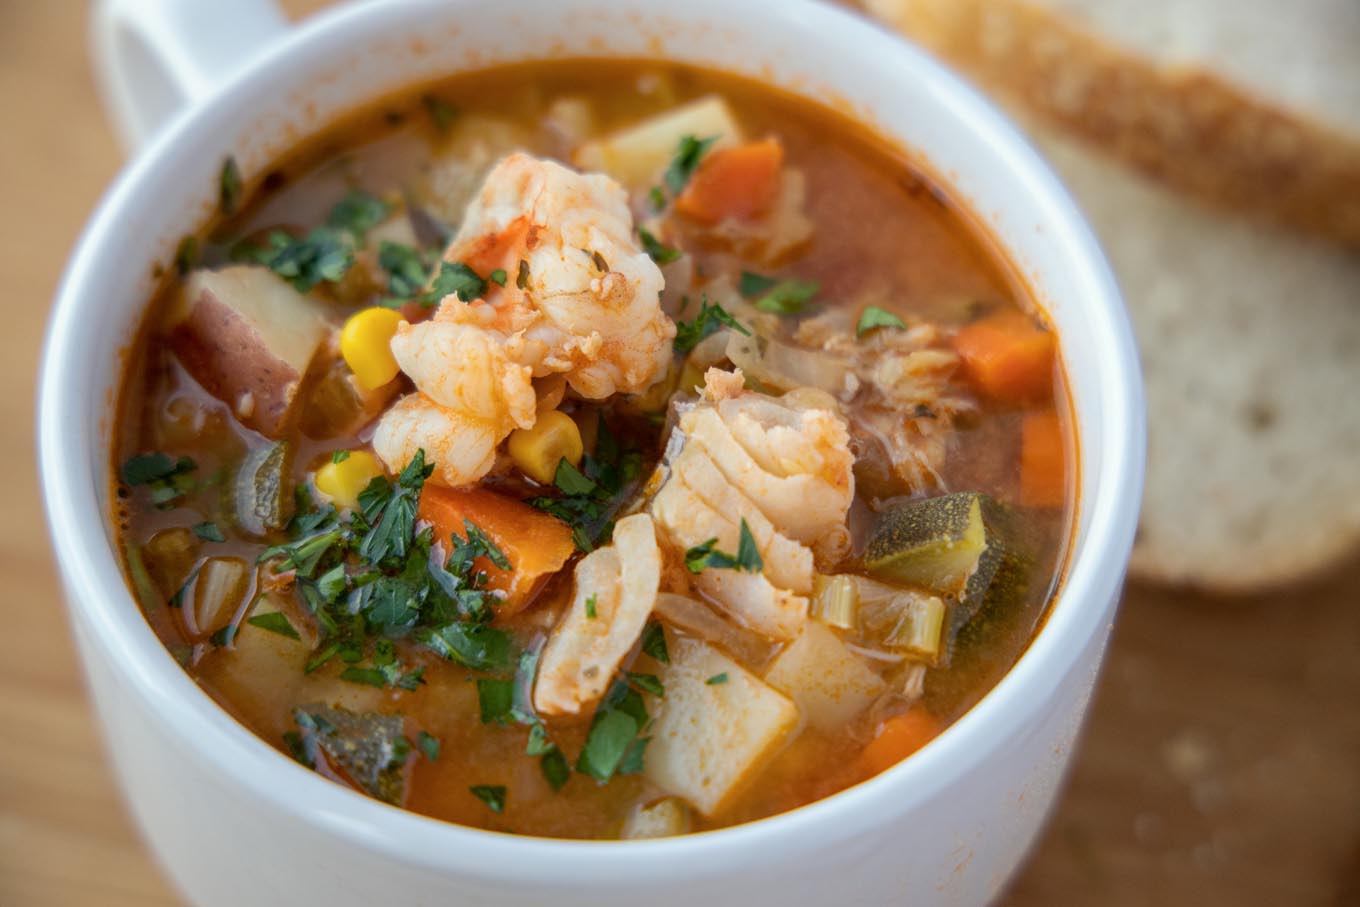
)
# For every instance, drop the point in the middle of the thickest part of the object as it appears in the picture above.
(616, 589)
(584, 304)
(586, 296)
(462, 447)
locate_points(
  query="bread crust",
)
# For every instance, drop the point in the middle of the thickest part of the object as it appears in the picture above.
(1184, 126)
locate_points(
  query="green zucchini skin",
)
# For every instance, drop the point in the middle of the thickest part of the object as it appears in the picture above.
(367, 746)
(959, 546)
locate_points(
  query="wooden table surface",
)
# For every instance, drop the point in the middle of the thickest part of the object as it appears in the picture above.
(1221, 764)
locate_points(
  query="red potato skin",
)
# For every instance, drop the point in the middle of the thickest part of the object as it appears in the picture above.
(232, 362)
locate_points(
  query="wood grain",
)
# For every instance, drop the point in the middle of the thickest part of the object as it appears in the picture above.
(1221, 765)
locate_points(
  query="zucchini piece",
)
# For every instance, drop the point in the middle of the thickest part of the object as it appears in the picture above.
(950, 544)
(262, 495)
(367, 749)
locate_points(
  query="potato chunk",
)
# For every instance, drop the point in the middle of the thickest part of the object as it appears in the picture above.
(830, 683)
(637, 155)
(717, 727)
(248, 337)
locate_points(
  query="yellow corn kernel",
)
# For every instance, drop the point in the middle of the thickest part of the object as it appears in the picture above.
(538, 450)
(342, 482)
(366, 344)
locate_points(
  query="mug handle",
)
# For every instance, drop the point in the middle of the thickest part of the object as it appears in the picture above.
(154, 57)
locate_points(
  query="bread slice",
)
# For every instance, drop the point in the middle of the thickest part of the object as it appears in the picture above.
(1250, 339)
(1250, 104)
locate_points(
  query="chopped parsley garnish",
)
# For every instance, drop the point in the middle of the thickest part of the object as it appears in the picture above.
(229, 187)
(458, 279)
(339, 456)
(208, 531)
(522, 275)
(498, 277)
(687, 157)
(648, 683)
(493, 795)
(710, 319)
(657, 197)
(874, 317)
(780, 297)
(373, 579)
(325, 254)
(654, 643)
(168, 479)
(496, 698)
(661, 253)
(357, 213)
(274, 622)
(591, 606)
(428, 744)
(590, 496)
(747, 558)
(441, 111)
(555, 769)
(717, 679)
(614, 745)
(407, 271)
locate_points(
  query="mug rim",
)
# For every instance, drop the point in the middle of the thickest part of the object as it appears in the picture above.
(97, 591)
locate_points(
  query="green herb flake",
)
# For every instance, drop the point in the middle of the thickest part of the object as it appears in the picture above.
(493, 795)
(229, 187)
(496, 698)
(687, 157)
(591, 604)
(657, 197)
(357, 213)
(407, 270)
(429, 745)
(654, 643)
(571, 481)
(456, 278)
(372, 677)
(498, 277)
(324, 255)
(710, 319)
(168, 479)
(717, 679)
(208, 531)
(274, 622)
(555, 769)
(522, 275)
(661, 253)
(339, 456)
(784, 297)
(874, 317)
(618, 721)
(648, 683)
(707, 555)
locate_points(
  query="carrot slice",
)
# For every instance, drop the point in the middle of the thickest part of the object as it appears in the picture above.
(737, 182)
(1008, 357)
(1043, 481)
(536, 544)
(898, 738)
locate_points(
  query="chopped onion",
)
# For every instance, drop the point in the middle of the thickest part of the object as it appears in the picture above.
(218, 591)
(700, 620)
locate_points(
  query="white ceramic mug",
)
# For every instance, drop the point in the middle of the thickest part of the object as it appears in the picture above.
(233, 821)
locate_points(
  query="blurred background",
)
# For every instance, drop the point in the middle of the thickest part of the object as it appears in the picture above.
(1215, 145)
